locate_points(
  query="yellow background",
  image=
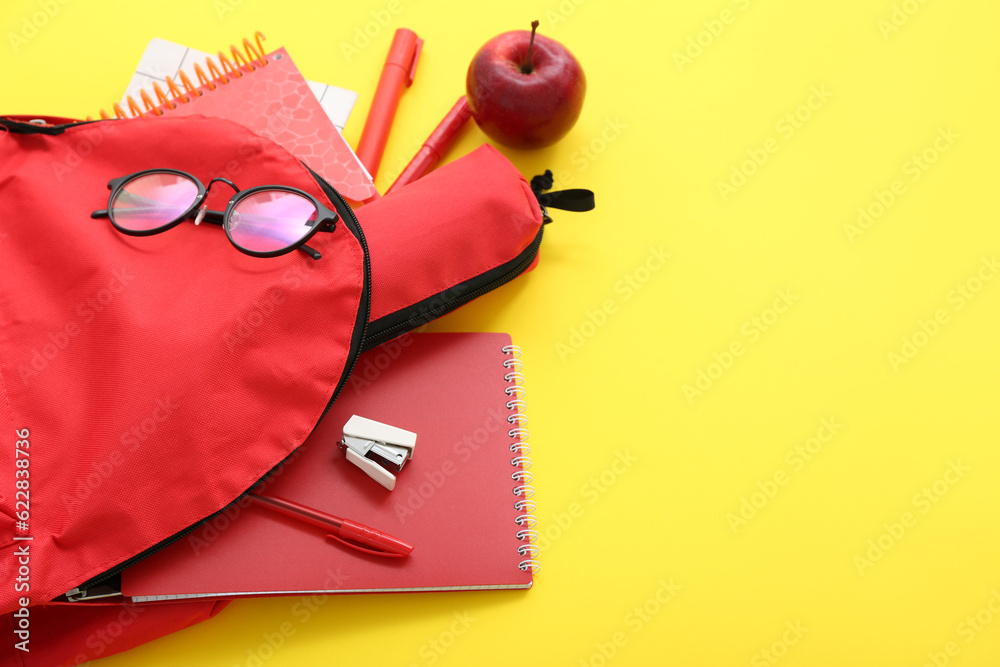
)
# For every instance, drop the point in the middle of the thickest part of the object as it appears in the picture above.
(656, 138)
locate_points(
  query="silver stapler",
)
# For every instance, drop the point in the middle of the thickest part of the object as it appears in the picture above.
(371, 445)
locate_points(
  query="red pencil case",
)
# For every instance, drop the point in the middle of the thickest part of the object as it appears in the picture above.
(469, 227)
(455, 234)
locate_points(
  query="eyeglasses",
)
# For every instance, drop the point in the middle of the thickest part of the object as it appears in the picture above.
(265, 221)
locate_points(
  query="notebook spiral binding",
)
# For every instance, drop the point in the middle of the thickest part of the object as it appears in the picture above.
(521, 461)
(220, 71)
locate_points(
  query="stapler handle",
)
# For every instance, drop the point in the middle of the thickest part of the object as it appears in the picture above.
(372, 469)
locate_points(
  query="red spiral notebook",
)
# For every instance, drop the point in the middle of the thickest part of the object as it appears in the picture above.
(463, 501)
(267, 94)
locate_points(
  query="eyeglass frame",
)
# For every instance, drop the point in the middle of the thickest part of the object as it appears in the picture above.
(326, 220)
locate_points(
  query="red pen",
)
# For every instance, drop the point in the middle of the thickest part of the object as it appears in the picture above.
(441, 138)
(345, 531)
(397, 73)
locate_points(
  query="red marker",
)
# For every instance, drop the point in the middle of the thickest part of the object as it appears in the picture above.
(400, 66)
(345, 531)
(436, 145)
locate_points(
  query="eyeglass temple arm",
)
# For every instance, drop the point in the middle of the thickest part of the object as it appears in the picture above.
(216, 218)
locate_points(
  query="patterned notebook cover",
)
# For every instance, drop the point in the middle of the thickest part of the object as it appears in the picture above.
(275, 102)
(163, 58)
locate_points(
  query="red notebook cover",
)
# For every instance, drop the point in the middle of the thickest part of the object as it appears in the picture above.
(461, 501)
(275, 102)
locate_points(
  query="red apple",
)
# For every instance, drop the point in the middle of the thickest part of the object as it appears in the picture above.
(525, 90)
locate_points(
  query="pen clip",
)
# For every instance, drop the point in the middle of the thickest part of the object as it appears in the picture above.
(413, 65)
(358, 547)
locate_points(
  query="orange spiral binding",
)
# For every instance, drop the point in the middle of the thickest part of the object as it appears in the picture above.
(175, 91)
(161, 96)
(258, 52)
(220, 71)
(227, 66)
(148, 101)
(203, 79)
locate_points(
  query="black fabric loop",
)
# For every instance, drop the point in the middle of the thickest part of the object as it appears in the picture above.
(576, 199)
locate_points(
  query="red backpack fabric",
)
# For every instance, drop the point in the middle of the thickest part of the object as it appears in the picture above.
(152, 373)
(74, 634)
(147, 383)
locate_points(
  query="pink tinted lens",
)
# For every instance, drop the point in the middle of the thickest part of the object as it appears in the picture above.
(271, 220)
(153, 200)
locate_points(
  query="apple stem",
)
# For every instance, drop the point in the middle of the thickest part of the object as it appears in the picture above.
(527, 67)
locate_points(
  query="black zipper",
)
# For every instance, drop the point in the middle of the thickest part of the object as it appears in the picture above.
(411, 317)
(360, 328)
(357, 340)
(24, 127)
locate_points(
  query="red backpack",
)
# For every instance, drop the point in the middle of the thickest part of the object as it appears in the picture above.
(148, 383)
